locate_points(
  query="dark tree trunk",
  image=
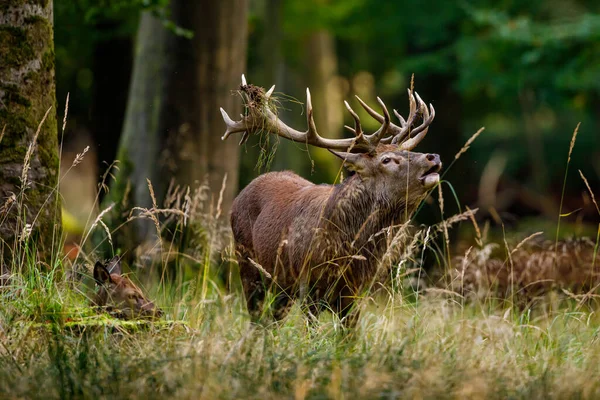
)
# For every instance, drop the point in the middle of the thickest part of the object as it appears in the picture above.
(173, 126)
(111, 81)
(27, 92)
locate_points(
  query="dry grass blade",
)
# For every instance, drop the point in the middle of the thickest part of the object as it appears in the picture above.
(512, 264)
(80, 156)
(572, 145)
(151, 189)
(598, 210)
(27, 160)
(220, 201)
(260, 268)
(64, 125)
(580, 297)
(150, 213)
(468, 144)
(590, 190)
(464, 268)
(455, 218)
(10, 200)
(528, 238)
(444, 226)
(2, 133)
(97, 220)
(443, 291)
(153, 211)
(479, 238)
(107, 232)
(562, 195)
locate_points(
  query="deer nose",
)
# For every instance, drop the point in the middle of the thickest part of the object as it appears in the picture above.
(433, 158)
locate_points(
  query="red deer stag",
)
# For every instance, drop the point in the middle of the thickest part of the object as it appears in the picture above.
(118, 295)
(320, 242)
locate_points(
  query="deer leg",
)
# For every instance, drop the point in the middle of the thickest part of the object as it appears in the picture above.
(313, 304)
(345, 308)
(281, 306)
(253, 285)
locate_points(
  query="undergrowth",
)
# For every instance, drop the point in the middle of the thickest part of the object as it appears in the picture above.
(410, 342)
(52, 345)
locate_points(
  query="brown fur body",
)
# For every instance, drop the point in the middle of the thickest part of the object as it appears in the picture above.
(321, 242)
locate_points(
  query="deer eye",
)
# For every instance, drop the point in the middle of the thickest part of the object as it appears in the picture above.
(386, 160)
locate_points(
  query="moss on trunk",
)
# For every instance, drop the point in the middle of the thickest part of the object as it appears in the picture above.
(27, 91)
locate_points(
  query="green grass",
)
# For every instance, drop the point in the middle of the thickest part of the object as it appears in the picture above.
(53, 345)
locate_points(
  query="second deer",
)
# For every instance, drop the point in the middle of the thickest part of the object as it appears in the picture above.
(118, 295)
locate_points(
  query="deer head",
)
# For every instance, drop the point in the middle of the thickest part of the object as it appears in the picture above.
(119, 295)
(394, 175)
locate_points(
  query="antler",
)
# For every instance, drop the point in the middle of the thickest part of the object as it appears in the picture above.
(402, 135)
(261, 118)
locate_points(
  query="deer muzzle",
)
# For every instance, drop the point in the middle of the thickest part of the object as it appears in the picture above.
(431, 177)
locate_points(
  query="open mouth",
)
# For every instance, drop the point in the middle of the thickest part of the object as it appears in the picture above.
(431, 177)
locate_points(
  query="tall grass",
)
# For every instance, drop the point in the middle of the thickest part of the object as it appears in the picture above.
(407, 344)
(436, 349)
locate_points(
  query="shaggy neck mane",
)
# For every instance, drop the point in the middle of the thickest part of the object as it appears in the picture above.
(355, 214)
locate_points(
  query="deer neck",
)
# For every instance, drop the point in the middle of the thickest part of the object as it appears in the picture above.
(356, 213)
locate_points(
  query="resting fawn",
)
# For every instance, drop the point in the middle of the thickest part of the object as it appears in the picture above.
(118, 295)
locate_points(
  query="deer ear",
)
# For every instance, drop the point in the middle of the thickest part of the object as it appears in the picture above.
(114, 265)
(101, 274)
(353, 161)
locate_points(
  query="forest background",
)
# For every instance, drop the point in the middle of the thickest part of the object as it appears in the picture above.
(527, 71)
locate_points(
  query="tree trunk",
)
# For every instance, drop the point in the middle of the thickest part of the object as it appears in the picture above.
(27, 92)
(109, 99)
(327, 97)
(269, 69)
(173, 126)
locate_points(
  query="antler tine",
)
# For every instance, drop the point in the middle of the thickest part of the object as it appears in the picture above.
(397, 133)
(424, 112)
(357, 127)
(311, 133)
(270, 92)
(421, 130)
(232, 126)
(406, 125)
(386, 128)
(403, 133)
(400, 118)
(386, 125)
(412, 113)
(369, 110)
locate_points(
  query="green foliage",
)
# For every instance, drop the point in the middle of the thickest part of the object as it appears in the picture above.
(520, 68)
(97, 11)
